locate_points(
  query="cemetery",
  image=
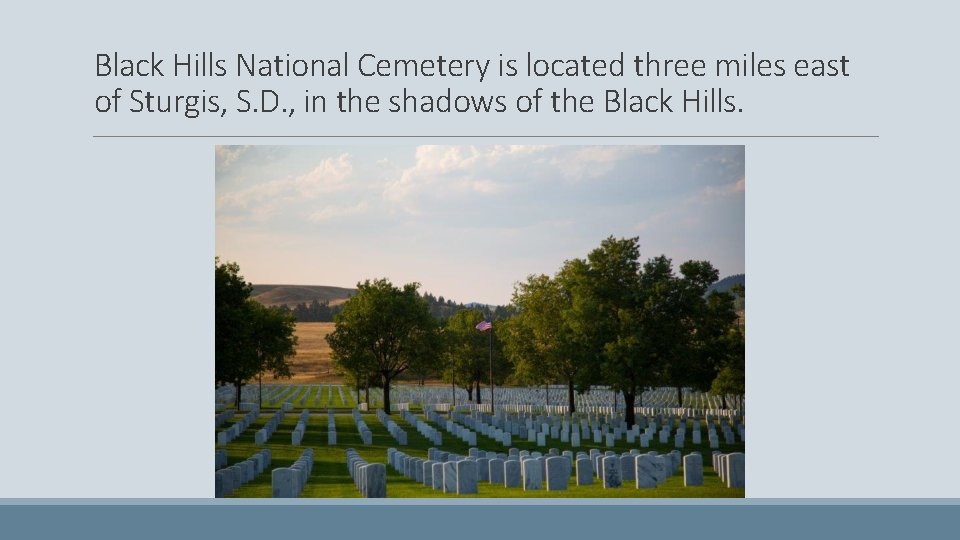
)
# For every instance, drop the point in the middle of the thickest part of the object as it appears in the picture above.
(321, 441)
(612, 379)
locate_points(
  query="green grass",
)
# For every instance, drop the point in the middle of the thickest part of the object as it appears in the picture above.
(330, 478)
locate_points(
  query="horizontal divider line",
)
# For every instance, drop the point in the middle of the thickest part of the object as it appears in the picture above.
(486, 136)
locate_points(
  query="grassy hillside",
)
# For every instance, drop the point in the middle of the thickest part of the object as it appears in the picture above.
(275, 295)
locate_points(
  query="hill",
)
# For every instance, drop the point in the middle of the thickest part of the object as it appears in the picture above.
(291, 295)
(726, 283)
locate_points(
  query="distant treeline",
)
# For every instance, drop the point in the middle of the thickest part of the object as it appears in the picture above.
(315, 311)
(440, 307)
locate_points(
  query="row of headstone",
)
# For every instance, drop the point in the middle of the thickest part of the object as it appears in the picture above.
(455, 474)
(730, 468)
(223, 417)
(228, 479)
(598, 400)
(234, 431)
(289, 482)
(370, 478)
(331, 428)
(455, 429)
(305, 398)
(366, 435)
(296, 436)
(396, 431)
(263, 434)
(479, 423)
(425, 429)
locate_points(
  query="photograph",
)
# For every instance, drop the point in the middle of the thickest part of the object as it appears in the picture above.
(480, 321)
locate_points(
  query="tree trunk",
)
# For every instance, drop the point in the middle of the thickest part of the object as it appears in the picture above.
(367, 397)
(386, 394)
(628, 414)
(723, 401)
(238, 384)
(679, 397)
(478, 392)
(470, 392)
(570, 401)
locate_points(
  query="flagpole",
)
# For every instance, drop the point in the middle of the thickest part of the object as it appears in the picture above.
(491, 368)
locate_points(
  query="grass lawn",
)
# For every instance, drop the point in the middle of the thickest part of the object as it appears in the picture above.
(330, 478)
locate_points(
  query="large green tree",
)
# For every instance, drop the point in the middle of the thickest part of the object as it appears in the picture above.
(544, 345)
(612, 321)
(249, 338)
(384, 330)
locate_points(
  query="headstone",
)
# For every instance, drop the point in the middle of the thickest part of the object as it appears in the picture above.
(285, 482)
(466, 477)
(558, 473)
(428, 472)
(511, 473)
(661, 467)
(735, 470)
(611, 471)
(437, 476)
(584, 471)
(495, 471)
(693, 470)
(450, 477)
(627, 468)
(645, 472)
(532, 474)
(375, 480)
(483, 470)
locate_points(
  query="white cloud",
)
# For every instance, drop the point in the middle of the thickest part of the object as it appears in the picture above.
(443, 173)
(328, 176)
(716, 192)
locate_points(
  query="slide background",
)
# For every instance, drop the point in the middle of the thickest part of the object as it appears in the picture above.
(107, 326)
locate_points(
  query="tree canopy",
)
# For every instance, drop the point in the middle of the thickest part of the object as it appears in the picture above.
(249, 338)
(383, 331)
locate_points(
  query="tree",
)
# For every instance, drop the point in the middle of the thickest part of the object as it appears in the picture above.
(467, 352)
(273, 337)
(731, 378)
(385, 330)
(543, 345)
(689, 325)
(249, 339)
(610, 323)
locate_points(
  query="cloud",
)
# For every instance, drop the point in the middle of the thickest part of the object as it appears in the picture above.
(716, 192)
(227, 155)
(329, 176)
(456, 168)
(446, 173)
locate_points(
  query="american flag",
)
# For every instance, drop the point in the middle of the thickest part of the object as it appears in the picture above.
(484, 326)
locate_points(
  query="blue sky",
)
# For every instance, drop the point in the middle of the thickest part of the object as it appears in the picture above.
(467, 222)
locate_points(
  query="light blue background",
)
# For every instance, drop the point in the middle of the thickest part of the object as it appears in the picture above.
(107, 320)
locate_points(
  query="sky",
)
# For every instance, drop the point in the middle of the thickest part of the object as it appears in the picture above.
(468, 222)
